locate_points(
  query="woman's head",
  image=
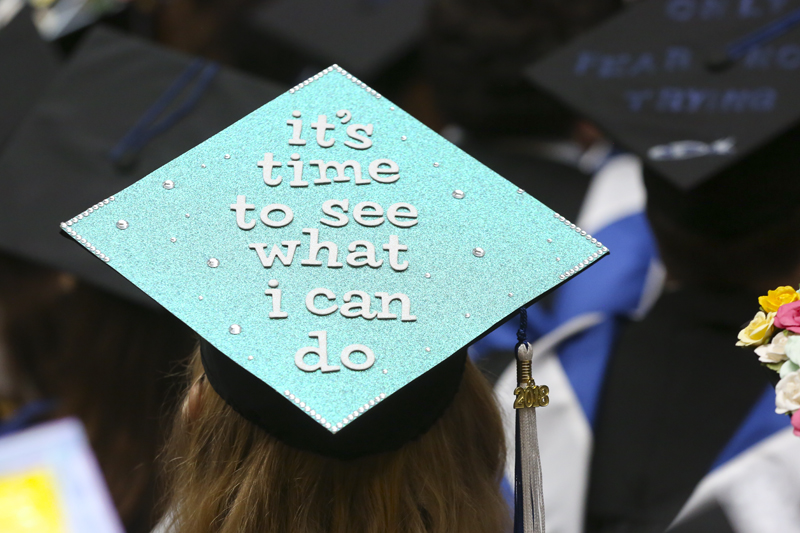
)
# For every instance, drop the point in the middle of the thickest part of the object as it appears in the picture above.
(228, 475)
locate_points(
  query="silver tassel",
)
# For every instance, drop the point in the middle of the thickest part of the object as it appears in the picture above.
(529, 396)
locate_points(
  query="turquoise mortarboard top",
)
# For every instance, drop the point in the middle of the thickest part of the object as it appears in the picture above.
(333, 246)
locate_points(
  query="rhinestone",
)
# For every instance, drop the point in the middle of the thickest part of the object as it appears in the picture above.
(458, 195)
(328, 425)
(427, 275)
(90, 210)
(297, 400)
(74, 220)
(83, 241)
(383, 396)
(349, 417)
(213, 262)
(80, 217)
(249, 357)
(187, 215)
(520, 191)
(227, 156)
(478, 252)
(122, 224)
(555, 215)
(583, 233)
(510, 294)
(594, 240)
(558, 259)
(105, 202)
(203, 165)
(63, 224)
(92, 248)
(86, 213)
(106, 259)
(385, 371)
(372, 402)
(599, 244)
(302, 404)
(199, 297)
(360, 409)
(467, 315)
(235, 329)
(436, 164)
(311, 411)
(173, 239)
(427, 348)
(291, 396)
(111, 198)
(339, 425)
(562, 219)
(403, 138)
(605, 249)
(169, 184)
(549, 240)
(572, 226)
(391, 108)
(286, 392)
(69, 222)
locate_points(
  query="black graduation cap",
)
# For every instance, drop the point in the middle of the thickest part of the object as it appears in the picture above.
(689, 85)
(361, 35)
(118, 110)
(27, 64)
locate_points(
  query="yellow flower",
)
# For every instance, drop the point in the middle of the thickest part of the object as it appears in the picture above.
(774, 299)
(758, 331)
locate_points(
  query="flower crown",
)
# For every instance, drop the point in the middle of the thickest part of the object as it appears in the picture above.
(774, 334)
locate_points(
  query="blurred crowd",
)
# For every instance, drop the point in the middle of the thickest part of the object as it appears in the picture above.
(658, 421)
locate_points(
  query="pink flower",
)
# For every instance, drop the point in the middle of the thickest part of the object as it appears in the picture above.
(796, 423)
(788, 317)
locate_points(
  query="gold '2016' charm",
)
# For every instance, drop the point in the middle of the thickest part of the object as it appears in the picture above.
(531, 395)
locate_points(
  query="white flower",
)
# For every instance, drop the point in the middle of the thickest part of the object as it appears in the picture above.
(787, 394)
(775, 351)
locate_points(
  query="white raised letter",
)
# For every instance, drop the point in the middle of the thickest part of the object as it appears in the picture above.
(322, 352)
(241, 207)
(357, 348)
(375, 171)
(341, 219)
(405, 303)
(267, 165)
(314, 248)
(266, 262)
(321, 125)
(393, 214)
(297, 128)
(360, 259)
(297, 181)
(360, 214)
(364, 142)
(311, 296)
(394, 247)
(288, 215)
(276, 302)
(363, 305)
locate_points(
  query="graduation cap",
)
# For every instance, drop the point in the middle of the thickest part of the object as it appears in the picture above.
(364, 35)
(336, 256)
(27, 64)
(691, 86)
(119, 109)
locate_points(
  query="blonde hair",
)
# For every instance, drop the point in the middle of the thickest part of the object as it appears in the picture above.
(226, 475)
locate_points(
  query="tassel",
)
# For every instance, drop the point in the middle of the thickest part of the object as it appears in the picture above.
(528, 491)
